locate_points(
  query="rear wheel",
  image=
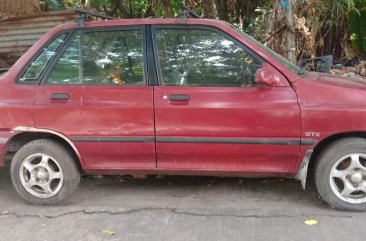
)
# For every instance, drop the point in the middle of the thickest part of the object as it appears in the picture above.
(340, 174)
(44, 172)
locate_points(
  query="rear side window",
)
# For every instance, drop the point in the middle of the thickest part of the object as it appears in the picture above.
(101, 58)
(113, 58)
(38, 65)
(66, 70)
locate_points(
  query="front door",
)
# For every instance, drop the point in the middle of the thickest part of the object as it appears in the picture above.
(105, 107)
(211, 115)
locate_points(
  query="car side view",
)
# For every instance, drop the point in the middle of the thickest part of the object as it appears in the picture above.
(176, 96)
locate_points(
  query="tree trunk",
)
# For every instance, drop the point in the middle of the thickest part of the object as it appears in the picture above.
(168, 8)
(291, 41)
(222, 10)
(209, 8)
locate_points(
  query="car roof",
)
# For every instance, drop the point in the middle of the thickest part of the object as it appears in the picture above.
(147, 21)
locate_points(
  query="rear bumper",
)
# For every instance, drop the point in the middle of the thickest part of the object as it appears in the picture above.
(4, 139)
(2, 147)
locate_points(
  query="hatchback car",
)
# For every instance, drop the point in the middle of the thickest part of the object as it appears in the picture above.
(176, 96)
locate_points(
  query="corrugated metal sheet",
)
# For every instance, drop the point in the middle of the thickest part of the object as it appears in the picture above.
(19, 34)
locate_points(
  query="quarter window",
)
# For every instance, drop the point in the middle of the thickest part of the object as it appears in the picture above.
(203, 58)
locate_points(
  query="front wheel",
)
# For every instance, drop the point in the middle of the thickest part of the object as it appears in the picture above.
(340, 174)
(44, 172)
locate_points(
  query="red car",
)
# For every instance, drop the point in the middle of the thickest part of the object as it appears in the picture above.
(176, 96)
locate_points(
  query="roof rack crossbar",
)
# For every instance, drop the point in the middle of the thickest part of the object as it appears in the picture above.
(186, 12)
(85, 15)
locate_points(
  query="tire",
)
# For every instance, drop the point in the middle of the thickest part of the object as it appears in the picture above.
(44, 172)
(340, 174)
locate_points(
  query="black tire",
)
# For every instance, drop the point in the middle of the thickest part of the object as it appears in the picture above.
(336, 155)
(60, 161)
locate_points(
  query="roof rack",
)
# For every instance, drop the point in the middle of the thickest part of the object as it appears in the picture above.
(186, 12)
(85, 16)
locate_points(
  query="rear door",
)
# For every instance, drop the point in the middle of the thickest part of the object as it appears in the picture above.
(209, 112)
(105, 107)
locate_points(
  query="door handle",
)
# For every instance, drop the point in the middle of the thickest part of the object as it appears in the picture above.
(179, 97)
(60, 96)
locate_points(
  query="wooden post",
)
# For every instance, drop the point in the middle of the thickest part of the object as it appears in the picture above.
(291, 41)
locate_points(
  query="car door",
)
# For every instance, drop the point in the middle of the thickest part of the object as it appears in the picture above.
(105, 107)
(211, 115)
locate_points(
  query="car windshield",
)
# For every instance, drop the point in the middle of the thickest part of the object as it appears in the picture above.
(282, 60)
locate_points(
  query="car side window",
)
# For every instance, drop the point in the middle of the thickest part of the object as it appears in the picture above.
(37, 66)
(113, 58)
(66, 70)
(200, 57)
(108, 58)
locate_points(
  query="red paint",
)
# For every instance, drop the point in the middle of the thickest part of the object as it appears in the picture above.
(289, 109)
(217, 112)
(105, 111)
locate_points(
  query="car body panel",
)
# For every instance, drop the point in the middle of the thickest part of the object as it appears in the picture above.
(104, 122)
(221, 128)
(331, 105)
(310, 109)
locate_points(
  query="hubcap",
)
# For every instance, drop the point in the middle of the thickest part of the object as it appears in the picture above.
(356, 178)
(41, 175)
(348, 178)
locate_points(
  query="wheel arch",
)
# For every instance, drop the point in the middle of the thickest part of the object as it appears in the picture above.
(323, 144)
(27, 134)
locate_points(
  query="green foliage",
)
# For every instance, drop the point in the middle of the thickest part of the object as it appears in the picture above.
(357, 22)
(54, 5)
(328, 13)
(325, 19)
(257, 23)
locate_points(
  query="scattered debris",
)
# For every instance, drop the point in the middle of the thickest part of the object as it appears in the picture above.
(212, 182)
(43, 217)
(355, 72)
(319, 64)
(124, 178)
(140, 176)
(311, 222)
(273, 180)
(108, 232)
(361, 69)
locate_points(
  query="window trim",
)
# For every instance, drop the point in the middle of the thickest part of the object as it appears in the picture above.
(81, 31)
(198, 27)
(69, 33)
(150, 57)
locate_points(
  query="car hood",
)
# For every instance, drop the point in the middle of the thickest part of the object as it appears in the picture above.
(318, 89)
(335, 80)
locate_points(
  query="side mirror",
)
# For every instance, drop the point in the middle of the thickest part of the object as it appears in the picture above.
(268, 76)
